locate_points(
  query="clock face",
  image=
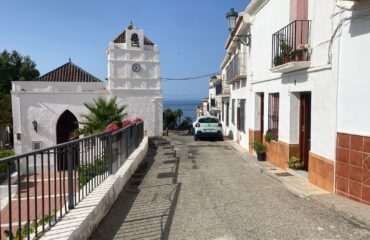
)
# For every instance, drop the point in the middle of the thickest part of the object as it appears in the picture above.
(136, 67)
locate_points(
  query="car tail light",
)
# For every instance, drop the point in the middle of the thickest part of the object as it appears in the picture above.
(220, 125)
(197, 125)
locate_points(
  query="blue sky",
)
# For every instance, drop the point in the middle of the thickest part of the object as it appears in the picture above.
(190, 33)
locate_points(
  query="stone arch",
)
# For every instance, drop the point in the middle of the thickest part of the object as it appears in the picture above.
(135, 42)
(67, 123)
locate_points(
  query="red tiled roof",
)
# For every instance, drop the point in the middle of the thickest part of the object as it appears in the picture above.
(68, 73)
(122, 39)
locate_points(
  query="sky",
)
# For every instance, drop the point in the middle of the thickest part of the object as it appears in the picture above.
(191, 35)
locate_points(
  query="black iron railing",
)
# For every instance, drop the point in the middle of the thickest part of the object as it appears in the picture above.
(291, 43)
(47, 183)
(235, 68)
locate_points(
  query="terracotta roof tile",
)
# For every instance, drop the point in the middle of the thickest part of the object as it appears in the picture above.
(122, 39)
(68, 72)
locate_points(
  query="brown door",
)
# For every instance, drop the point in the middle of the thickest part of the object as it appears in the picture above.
(262, 110)
(305, 127)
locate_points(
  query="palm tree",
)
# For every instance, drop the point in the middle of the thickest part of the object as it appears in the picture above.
(178, 114)
(101, 113)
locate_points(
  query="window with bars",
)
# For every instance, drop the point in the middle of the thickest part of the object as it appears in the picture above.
(227, 113)
(273, 116)
(233, 111)
(242, 115)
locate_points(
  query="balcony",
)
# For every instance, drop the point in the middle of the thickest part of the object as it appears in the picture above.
(291, 48)
(235, 71)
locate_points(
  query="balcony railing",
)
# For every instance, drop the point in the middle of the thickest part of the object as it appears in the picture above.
(45, 184)
(236, 68)
(291, 43)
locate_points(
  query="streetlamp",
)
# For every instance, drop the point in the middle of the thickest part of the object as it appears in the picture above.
(231, 17)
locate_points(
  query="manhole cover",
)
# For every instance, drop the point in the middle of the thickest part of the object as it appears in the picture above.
(283, 174)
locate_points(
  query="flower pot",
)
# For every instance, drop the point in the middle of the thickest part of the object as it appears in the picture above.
(261, 156)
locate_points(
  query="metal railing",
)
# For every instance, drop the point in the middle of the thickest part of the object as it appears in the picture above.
(45, 184)
(291, 43)
(236, 68)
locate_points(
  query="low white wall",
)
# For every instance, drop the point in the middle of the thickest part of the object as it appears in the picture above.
(80, 222)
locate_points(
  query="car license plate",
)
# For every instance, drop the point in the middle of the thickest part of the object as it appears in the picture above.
(208, 130)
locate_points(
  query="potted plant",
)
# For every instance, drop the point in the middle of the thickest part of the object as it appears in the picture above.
(295, 163)
(278, 60)
(268, 136)
(260, 150)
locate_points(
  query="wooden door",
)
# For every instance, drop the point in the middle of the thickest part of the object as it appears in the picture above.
(305, 127)
(262, 113)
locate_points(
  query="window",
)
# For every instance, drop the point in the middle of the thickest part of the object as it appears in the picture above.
(273, 121)
(233, 111)
(244, 83)
(135, 40)
(208, 120)
(227, 113)
(223, 112)
(242, 115)
(36, 145)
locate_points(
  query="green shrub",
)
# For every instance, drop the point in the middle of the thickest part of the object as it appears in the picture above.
(295, 163)
(268, 136)
(88, 171)
(3, 165)
(259, 147)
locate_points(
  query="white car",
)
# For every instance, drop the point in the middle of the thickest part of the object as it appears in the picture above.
(207, 127)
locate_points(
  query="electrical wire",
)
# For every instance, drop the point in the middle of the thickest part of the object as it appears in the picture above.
(188, 78)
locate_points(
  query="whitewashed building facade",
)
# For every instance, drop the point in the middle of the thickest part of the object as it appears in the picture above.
(306, 80)
(47, 110)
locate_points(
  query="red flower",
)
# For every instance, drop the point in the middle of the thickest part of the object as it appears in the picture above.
(138, 120)
(112, 127)
(126, 123)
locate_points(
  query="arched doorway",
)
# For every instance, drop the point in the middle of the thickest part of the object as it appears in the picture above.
(66, 125)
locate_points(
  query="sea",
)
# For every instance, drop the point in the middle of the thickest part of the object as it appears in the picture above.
(188, 107)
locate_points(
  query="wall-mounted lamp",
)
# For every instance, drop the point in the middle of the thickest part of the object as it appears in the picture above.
(231, 21)
(34, 124)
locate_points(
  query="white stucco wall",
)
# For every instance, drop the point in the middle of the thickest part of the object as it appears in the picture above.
(321, 79)
(354, 72)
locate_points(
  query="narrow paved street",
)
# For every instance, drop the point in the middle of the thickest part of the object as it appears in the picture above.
(209, 192)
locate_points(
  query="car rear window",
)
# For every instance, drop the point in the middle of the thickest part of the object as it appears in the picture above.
(208, 120)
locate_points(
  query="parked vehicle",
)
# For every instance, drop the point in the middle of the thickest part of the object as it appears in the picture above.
(207, 127)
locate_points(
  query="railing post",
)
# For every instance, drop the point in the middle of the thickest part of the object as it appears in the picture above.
(70, 177)
(110, 157)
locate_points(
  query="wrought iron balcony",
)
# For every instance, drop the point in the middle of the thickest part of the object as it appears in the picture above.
(291, 47)
(236, 69)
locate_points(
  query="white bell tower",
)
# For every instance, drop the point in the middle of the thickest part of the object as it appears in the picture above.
(134, 76)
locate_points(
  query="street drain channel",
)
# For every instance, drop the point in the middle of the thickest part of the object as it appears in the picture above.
(284, 174)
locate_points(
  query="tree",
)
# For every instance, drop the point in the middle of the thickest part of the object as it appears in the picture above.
(178, 114)
(101, 113)
(15, 67)
(5, 110)
(169, 119)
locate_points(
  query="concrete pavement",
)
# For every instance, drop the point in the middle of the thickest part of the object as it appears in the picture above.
(210, 191)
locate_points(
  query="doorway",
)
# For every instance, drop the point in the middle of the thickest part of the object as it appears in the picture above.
(305, 127)
(66, 125)
(262, 114)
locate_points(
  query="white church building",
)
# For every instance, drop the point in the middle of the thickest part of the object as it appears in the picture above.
(47, 110)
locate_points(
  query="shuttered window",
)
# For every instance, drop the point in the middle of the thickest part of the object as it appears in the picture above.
(273, 115)
(233, 111)
(242, 115)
